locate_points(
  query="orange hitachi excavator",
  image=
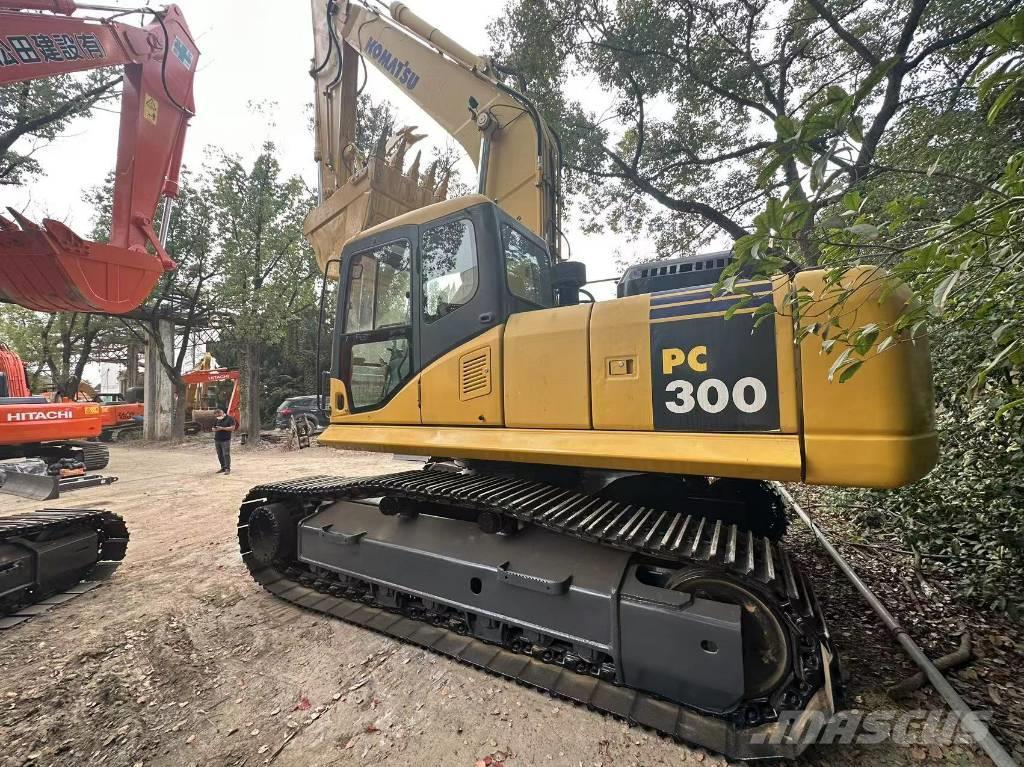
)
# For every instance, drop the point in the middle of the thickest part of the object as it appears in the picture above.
(56, 433)
(49, 267)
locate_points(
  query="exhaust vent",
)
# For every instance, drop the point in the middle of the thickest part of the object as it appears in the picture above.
(475, 374)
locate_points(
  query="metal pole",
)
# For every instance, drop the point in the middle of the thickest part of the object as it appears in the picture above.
(165, 220)
(485, 161)
(970, 722)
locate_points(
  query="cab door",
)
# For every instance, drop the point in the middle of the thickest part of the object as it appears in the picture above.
(376, 346)
(457, 289)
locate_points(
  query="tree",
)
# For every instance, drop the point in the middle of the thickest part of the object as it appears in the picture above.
(39, 111)
(55, 347)
(703, 90)
(184, 297)
(943, 211)
(270, 273)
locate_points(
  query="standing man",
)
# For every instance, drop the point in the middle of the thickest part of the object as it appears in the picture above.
(223, 429)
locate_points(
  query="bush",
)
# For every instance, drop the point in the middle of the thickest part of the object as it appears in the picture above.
(969, 512)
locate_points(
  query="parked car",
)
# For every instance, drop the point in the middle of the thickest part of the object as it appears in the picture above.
(300, 407)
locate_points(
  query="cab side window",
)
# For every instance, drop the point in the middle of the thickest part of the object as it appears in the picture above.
(379, 300)
(449, 268)
(527, 268)
(378, 289)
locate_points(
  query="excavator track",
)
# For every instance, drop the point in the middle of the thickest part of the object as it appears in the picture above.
(689, 543)
(95, 456)
(47, 551)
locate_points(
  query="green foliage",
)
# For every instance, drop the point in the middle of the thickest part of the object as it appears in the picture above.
(38, 111)
(57, 347)
(269, 270)
(969, 512)
(711, 109)
(940, 208)
(270, 275)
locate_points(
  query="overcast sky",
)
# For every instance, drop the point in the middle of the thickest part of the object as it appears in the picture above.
(259, 51)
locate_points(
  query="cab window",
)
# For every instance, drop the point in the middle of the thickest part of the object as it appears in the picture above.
(378, 305)
(449, 268)
(378, 288)
(527, 268)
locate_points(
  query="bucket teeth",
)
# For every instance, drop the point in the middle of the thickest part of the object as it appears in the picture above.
(26, 224)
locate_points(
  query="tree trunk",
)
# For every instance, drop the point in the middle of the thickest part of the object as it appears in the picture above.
(251, 393)
(178, 415)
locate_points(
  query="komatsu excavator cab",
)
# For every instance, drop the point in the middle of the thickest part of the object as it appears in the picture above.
(413, 291)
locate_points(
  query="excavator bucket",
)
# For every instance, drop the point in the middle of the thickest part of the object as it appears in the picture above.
(36, 487)
(375, 193)
(49, 268)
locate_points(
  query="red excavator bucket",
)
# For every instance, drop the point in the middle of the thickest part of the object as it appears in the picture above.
(52, 269)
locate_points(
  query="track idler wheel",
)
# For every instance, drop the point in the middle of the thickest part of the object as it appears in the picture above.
(766, 656)
(273, 532)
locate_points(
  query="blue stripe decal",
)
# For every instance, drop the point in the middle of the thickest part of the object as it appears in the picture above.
(718, 305)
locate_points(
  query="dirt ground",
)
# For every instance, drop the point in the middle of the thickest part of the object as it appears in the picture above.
(179, 658)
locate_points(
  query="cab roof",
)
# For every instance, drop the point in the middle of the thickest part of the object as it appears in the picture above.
(424, 214)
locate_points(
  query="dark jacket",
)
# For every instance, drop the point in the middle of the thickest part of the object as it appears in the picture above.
(225, 436)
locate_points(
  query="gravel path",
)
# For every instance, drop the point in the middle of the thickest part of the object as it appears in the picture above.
(181, 659)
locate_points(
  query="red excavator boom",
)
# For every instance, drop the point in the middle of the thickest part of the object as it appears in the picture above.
(49, 267)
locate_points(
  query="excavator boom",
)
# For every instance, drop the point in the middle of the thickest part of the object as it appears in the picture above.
(49, 267)
(514, 150)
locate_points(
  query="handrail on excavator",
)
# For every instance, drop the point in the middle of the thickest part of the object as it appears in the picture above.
(49, 267)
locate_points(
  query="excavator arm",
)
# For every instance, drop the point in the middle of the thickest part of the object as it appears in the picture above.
(49, 267)
(515, 152)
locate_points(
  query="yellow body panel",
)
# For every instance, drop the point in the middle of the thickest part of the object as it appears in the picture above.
(547, 369)
(750, 456)
(620, 334)
(442, 399)
(788, 363)
(576, 386)
(877, 428)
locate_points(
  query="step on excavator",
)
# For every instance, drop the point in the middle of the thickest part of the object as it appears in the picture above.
(50, 268)
(596, 517)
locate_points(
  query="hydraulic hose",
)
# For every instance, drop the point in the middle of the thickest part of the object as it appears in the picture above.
(969, 721)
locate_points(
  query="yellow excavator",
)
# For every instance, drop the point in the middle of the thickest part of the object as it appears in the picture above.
(595, 517)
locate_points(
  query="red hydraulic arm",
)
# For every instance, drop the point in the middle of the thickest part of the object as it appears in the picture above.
(50, 268)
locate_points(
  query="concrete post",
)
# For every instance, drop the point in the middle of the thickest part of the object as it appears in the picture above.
(131, 378)
(159, 406)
